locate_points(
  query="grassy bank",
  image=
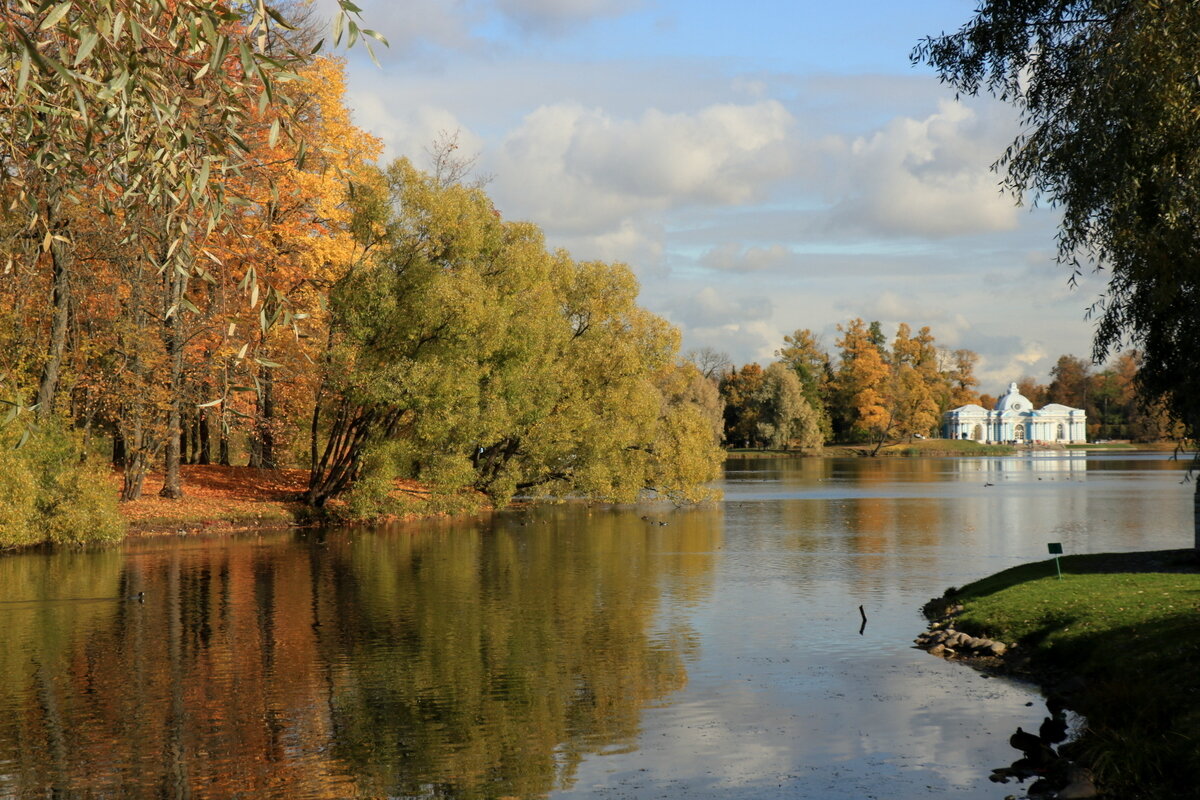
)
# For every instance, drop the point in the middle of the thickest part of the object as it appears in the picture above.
(947, 447)
(917, 447)
(1119, 637)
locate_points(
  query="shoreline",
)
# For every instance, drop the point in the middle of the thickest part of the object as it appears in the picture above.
(1114, 642)
(951, 448)
(222, 499)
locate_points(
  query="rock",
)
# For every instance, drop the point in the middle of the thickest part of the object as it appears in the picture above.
(1053, 730)
(1080, 785)
(937, 650)
(997, 648)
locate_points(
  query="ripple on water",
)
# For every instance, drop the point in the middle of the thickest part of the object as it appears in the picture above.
(559, 651)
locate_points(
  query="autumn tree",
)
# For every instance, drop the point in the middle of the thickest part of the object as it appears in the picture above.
(803, 353)
(1070, 378)
(1038, 393)
(960, 376)
(861, 383)
(290, 242)
(785, 418)
(132, 106)
(916, 383)
(688, 384)
(712, 363)
(739, 389)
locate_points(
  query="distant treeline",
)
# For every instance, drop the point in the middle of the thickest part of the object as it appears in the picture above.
(876, 389)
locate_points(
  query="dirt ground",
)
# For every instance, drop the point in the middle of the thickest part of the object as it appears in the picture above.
(224, 497)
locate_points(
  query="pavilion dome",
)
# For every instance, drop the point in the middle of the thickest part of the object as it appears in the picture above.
(1013, 400)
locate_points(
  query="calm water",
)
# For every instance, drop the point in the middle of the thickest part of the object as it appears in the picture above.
(566, 651)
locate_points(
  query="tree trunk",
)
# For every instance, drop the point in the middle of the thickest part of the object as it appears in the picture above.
(203, 447)
(135, 468)
(52, 369)
(267, 420)
(118, 449)
(185, 425)
(1196, 519)
(173, 341)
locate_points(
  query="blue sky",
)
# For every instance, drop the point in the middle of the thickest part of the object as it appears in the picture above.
(762, 166)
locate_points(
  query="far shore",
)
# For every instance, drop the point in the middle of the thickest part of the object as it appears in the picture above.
(225, 499)
(220, 499)
(946, 447)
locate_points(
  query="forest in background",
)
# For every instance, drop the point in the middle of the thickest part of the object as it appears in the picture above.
(872, 389)
(204, 262)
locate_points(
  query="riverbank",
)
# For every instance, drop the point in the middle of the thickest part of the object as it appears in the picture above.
(220, 499)
(941, 448)
(918, 447)
(1117, 639)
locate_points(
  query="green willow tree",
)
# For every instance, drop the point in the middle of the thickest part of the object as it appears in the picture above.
(467, 356)
(1108, 97)
(785, 417)
(802, 351)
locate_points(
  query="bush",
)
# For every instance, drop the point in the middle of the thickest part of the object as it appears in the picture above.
(51, 492)
(18, 503)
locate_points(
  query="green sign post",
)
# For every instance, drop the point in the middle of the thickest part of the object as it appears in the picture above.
(1055, 549)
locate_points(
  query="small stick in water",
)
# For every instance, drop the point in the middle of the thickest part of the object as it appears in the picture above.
(862, 627)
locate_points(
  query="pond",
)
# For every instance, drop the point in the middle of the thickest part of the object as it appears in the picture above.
(561, 651)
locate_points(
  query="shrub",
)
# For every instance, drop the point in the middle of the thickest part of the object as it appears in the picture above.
(18, 502)
(51, 492)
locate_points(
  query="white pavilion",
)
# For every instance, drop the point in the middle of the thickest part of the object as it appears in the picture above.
(1014, 419)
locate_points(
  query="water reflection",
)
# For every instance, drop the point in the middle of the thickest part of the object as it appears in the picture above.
(563, 651)
(464, 662)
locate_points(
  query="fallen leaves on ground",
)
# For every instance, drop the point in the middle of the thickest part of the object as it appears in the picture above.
(217, 496)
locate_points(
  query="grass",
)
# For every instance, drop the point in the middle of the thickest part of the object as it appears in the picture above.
(1125, 630)
(1157, 446)
(947, 447)
(918, 447)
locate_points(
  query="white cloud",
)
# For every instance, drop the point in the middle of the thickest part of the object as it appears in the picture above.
(636, 242)
(581, 170)
(732, 257)
(709, 308)
(555, 15)
(922, 177)
(414, 25)
(411, 130)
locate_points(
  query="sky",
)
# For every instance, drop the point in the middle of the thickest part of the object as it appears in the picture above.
(762, 166)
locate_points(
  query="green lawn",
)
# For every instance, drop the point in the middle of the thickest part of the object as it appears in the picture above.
(947, 447)
(1127, 626)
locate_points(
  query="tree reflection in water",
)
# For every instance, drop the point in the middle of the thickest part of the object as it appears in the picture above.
(470, 661)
